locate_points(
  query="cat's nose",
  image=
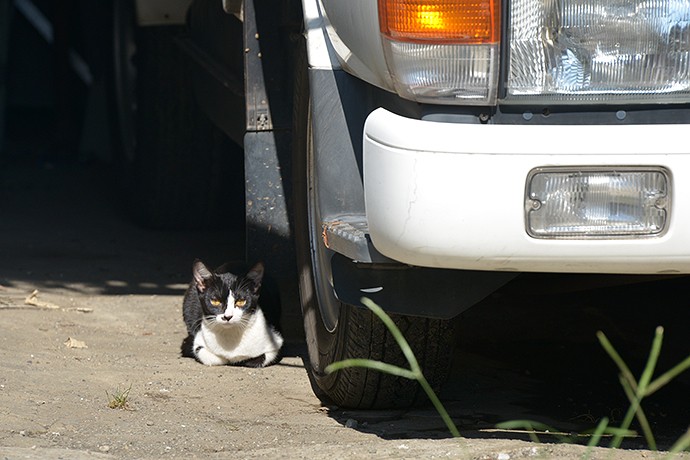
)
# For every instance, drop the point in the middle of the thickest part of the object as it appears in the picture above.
(227, 318)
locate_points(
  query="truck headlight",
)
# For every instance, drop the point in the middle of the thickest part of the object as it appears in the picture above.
(589, 202)
(442, 51)
(579, 51)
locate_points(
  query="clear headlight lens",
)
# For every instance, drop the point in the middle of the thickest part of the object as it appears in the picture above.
(579, 50)
(442, 51)
(443, 74)
(593, 203)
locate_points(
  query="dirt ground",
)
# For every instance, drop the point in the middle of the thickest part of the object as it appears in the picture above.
(105, 318)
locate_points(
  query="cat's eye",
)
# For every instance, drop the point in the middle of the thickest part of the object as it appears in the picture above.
(240, 303)
(215, 302)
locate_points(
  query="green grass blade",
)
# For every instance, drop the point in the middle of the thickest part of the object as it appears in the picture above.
(596, 437)
(629, 415)
(651, 363)
(611, 431)
(625, 370)
(635, 392)
(532, 428)
(635, 409)
(439, 407)
(524, 425)
(683, 443)
(397, 335)
(598, 432)
(414, 373)
(669, 375)
(371, 364)
(630, 386)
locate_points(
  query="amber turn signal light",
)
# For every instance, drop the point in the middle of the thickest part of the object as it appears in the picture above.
(440, 21)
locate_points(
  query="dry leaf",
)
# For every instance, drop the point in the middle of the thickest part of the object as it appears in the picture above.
(80, 309)
(74, 343)
(32, 299)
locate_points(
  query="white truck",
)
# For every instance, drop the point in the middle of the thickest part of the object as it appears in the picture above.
(424, 153)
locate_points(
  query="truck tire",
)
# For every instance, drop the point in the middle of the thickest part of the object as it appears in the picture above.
(336, 331)
(174, 167)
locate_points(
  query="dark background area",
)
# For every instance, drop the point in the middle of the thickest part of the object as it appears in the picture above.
(61, 189)
(58, 104)
(46, 100)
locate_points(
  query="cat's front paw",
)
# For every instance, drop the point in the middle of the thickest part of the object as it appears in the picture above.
(206, 357)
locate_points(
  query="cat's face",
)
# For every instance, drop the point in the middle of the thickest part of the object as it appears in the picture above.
(227, 299)
(225, 306)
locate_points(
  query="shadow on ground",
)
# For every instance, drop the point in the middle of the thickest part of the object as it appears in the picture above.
(527, 355)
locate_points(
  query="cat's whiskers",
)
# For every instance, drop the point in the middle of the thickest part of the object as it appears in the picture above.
(197, 323)
(211, 320)
(244, 322)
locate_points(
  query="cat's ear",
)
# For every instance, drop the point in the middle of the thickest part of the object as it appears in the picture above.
(201, 275)
(256, 274)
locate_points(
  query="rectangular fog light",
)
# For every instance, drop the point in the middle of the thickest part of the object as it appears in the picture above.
(591, 202)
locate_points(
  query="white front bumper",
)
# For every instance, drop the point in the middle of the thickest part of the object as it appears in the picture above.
(452, 195)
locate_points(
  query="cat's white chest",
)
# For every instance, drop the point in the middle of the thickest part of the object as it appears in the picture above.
(218, 345)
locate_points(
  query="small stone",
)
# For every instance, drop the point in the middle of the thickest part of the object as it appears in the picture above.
(351, 423)
(104, 448)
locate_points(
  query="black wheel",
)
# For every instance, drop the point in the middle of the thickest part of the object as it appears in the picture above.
(334, 330)
(174, 167)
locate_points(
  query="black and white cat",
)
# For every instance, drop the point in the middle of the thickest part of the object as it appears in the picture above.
(225, 323)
